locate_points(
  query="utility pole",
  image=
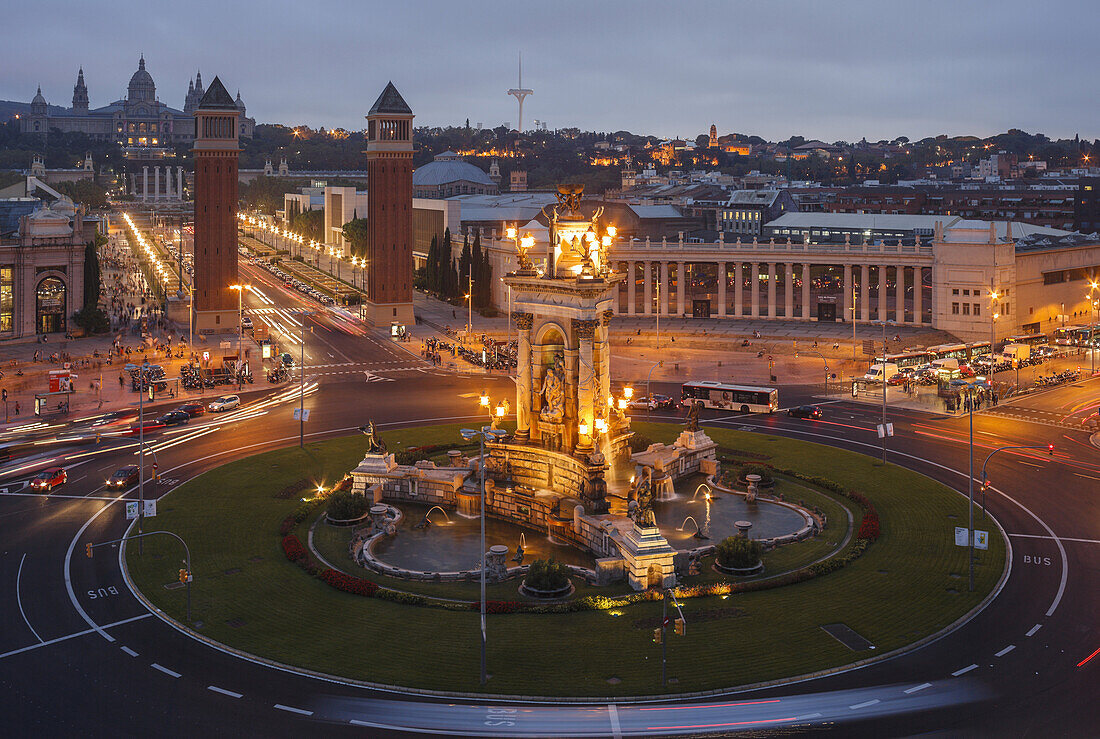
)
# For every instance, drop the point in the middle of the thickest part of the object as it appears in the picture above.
(302, 390)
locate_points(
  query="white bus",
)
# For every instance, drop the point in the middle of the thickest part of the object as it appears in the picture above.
(744, 398)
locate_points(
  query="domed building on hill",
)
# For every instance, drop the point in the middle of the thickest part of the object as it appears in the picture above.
(138, 120)
(447, 175)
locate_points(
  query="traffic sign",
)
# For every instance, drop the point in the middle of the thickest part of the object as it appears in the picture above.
(131, 510)
(150, 508)
(889, 431)
(981, 539)
(961, 539)
(301, 414)
(869, 347)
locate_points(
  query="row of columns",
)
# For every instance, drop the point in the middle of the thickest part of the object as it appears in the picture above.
(770, 310)
(155, 194)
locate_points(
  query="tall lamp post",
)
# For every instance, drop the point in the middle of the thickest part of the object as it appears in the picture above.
(1093, 286)
(494, 435)
(882, 378)
(970, 387)
(240, 327)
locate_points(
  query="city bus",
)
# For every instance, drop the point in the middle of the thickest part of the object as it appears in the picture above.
(1031, 340)
(907, 360)
(744, 398)
(1070, 335)
(964, 353)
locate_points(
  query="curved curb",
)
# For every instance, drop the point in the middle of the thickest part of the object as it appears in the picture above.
(512, 698)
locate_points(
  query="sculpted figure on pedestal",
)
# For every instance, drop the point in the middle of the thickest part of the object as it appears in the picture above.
(553, 392)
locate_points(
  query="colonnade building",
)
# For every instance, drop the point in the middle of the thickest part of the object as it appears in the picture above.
(940, 272)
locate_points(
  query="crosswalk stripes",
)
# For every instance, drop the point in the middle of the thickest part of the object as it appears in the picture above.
(1053, 419)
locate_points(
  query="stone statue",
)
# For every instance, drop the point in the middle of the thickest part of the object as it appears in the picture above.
(570, 196)
(693, 416)
(375, 444)
(642, 509)
(553, 392)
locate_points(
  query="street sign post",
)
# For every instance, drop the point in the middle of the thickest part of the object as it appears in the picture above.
(150, 508)
(961, 538)
(301, 414)
(869, 347)
(131, 510)
(981, 539)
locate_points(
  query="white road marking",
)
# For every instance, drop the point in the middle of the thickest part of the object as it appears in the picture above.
(68, 577)
(1088, 476)
(129, 651)
(19, 600)
(292, 709)
(1033, 629)
(223, 691)
(1056, 538)
(808, 716)
(917, 688)
(864, 704)
(165, 670)
(964, 670)
(1005, 651)
(613, 714)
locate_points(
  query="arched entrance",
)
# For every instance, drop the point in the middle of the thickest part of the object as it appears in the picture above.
(50, 306)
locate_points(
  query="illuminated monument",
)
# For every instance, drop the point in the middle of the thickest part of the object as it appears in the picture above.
(389, 210)
(216, 149)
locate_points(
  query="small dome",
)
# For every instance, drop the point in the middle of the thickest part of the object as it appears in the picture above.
(141, 86)
(38, 99)
(447, 167)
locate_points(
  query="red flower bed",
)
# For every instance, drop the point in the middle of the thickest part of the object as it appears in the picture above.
(349, 584)
(868, 527)
(497, 606)
(293, 548)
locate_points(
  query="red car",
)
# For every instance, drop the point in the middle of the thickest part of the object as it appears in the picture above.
(150, 424)
(192, 409)
(49, 478)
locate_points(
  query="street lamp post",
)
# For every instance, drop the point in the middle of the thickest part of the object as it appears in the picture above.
(470, 435)
(970, 386)
(1093, 286)
(240, 327)
(985, 480)
(882, 378)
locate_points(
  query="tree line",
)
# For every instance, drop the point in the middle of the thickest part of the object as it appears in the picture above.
(450, 279)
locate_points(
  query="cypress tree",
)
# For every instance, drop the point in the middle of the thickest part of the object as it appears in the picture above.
(464, 263)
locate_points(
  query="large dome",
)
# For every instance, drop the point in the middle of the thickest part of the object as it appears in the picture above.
(141, 86)
(446, 168)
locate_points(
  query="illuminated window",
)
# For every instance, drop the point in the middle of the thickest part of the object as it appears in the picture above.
(7, 299)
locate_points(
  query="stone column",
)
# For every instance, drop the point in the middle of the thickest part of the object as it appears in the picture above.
(865, 293)
(788, 291)
(167, 183)
(585, 331)
(145, 183)
(738, 289)
(523, 375)
(771, 289)
(899, 295)
(755, 288)
(663, 302)
(918, 295)
(604, 339)
(721, 289)
(846, 303)
(882, 290)
(681, 288)
(806, 292)
(647, 307)
(156, 183)
(179, 182)
(631, 287)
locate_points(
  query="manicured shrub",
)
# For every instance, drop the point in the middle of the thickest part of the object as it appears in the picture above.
(345, 505)
(547, 574)
(738, 552)
(757, 469)
(349, 584)
(868, 527)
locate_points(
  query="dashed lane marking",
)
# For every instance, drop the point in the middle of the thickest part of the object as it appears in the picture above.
(864, 704)
(165, 670)
(964, 670)
(1005, 651)
(613, 714)
(85, 632)
(1033, 629)
(223, 691)
(808, 716)
(292, 709)
(1056, 538)
(129, 651)
(918, 688)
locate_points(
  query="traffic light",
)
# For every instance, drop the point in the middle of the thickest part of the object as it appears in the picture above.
(678, 626)
(183, 575)
(657, 635)
(1050, 449)
(88, 551)
(154, 472)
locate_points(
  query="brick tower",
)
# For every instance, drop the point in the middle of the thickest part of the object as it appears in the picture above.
(389, 210)
(215, 150)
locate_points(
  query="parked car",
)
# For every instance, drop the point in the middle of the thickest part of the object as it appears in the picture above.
(193, 409)
(811, 412)
(225, 403)
(900, 378)
(175, 418)
(49, 478)
(287, 359)
(642, 402)
(246, 323)
(123, 477)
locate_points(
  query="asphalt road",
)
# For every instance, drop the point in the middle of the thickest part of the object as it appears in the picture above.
(78, 652)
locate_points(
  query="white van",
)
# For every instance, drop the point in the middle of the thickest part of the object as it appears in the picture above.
(1015, 352)
(948, 363)
(881, 372)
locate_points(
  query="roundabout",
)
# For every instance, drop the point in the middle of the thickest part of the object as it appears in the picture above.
(822, 603)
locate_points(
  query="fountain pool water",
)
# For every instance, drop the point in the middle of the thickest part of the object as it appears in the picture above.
(454, 545)
(768, 519)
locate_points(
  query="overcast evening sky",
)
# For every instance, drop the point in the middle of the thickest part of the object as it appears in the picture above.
(834, 70)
